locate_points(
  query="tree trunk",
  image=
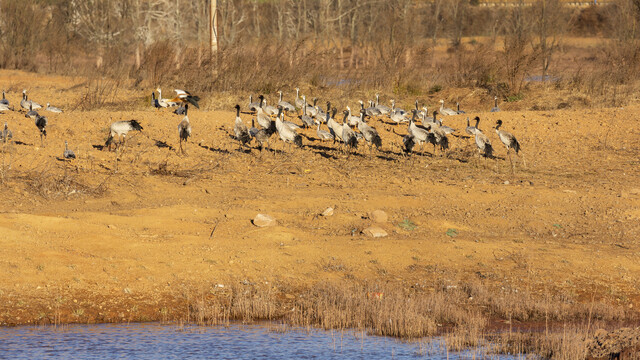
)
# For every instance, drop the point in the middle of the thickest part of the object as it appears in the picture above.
(213, 26)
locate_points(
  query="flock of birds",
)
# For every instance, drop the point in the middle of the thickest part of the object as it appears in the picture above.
(31, 107)
(347, 130)
(342, 130)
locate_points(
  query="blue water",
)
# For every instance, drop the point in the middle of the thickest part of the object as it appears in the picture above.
(157, 341)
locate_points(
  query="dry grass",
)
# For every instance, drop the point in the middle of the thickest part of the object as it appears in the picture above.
(468, 315)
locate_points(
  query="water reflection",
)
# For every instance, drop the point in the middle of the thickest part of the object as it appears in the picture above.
(155, 341)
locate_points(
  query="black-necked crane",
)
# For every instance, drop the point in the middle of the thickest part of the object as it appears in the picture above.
(4, 107)
(263, 119)
(420, 134)
(495, 105)
(32, 114)
(68, 154)
(482, 141)
(184, 130)
(6, 135)
(509, 141)
(471, 130)
(121, 129)
(41, 124)
(439, 134)
(180, 110)
(369, 134)
(253, 105)
(348, 135)
(334, 127)
(286, 133)
(458, 109)
(261, 135)
(154, 101)
(240, 129)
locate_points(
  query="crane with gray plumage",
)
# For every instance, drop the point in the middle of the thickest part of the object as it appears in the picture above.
(348, 135)
(495, 105)
(68, 154)
(41, 124)
(184, 130)
(446, 111)
(240, 130)
(509, 141)
(4, 100)
(285, 105)
(482, 141)
(121, 129)
(287, 134)
(6, 135)
(370, 134)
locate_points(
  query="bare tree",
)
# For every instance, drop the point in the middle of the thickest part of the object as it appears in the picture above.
(549, 24)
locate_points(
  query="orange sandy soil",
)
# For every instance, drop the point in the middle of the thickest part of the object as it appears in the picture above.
(82, 243)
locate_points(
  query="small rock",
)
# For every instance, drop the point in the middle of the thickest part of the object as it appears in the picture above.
(327, 212)
(111, 227)
(506, 182)
(379, 216)
(374, 231)
(262, 220)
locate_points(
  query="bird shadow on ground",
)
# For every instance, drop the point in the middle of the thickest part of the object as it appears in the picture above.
(243, 150)
(216, 150)
(98, 147)
(162, 144)
(320, 147)
(18, 142)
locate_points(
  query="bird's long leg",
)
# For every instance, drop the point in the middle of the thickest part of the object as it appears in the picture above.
(510, 161)
(117, 154)
(524, 161)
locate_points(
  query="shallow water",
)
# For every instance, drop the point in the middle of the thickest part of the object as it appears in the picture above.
(154, 341)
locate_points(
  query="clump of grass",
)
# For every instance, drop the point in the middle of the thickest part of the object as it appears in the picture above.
(407, 224)
(53, 186)
(516, 97)
(435, 88)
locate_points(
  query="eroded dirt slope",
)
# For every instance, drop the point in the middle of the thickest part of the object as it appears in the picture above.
(100, 242)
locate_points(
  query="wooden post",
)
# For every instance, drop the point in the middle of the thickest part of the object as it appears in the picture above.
(213, 26)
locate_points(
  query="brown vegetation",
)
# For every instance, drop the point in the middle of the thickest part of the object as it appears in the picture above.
(402, 47)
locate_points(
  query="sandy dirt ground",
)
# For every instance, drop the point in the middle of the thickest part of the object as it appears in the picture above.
(82, 242)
